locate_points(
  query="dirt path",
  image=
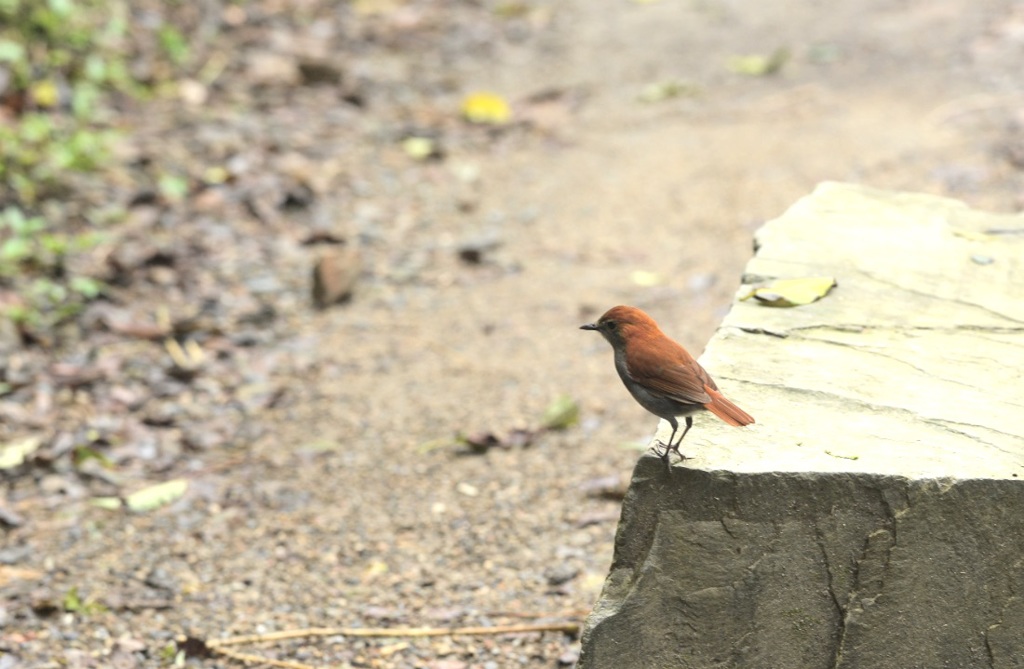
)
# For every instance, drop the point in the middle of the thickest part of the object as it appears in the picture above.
(337, 515)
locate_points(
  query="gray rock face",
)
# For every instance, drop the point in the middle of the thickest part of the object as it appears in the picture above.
(874, 516)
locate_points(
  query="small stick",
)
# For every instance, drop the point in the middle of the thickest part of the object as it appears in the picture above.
(257, 659)
(568, 628)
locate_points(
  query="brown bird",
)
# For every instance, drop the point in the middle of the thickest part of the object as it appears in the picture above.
(661, 375)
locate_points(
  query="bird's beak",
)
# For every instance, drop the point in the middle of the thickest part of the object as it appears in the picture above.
(589, 326)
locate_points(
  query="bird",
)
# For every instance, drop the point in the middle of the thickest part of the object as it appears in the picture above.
(662, 376)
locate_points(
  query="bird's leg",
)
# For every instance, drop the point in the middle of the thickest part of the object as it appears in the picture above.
(675, 447)
(668, 447)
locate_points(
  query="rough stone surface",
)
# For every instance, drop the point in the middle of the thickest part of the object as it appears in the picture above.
(874, 516)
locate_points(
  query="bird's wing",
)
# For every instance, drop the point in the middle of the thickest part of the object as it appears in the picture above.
(683, 381)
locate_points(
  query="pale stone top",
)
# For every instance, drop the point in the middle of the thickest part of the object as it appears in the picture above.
(912, 366)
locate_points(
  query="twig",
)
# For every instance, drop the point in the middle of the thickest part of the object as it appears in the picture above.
(217, 644)
(257, 659)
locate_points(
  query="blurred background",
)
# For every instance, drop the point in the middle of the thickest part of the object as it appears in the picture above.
(290, 289)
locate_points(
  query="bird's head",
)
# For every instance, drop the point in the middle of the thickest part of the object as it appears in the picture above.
(621, 323)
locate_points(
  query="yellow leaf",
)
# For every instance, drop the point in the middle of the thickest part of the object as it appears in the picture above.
(109, 503)
(759, 65)
(486, 108)
(156, 496)
(45, 93)
(419, 148)
(13, 454)
(793, 292)
(376, 568)
(664, 90)
(215, 174)
(646, 279)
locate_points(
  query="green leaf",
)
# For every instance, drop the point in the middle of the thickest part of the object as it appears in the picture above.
(173, 187)
(72, 601)
(83, 454)
(563, 413)
(174, 44)
(95, 68)
(84, 97)
(85, 286)
(16, 249)
(61, 7)
(11, 52)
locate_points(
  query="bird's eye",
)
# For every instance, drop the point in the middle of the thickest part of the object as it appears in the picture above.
(611, 325)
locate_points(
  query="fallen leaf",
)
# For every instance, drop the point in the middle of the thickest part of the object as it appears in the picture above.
(376, 568)
(420, 148)
(486, 108)
(108, 503)
(646, 279)
(83, 454)
(188, 359)
(335, 275)
(793, 292)
(481, 442)
(666, 90)
(155, 496)
(14, 454)
(45, 93)
(467, 489)
(563, 413)
(758, 65)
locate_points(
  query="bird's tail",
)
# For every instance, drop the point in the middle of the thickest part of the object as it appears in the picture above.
(726, 410)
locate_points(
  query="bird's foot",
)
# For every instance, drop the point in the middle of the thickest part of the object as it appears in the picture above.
(664, 451)
(675, 449)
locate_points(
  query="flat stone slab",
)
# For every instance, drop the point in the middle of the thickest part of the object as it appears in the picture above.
(874, 515)
(912, 366)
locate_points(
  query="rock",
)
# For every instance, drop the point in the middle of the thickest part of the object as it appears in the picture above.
(272, 69)
(474, 251)
(10, 518)
(874, 516)
(335, 275)
(315, 72)
(560, 574)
